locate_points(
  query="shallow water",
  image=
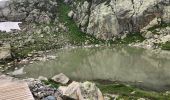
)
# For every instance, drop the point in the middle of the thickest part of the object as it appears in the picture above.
(136, 66)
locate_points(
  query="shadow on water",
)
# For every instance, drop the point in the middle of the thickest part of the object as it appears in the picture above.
(139, 67)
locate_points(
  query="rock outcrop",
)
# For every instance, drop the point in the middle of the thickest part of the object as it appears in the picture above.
(40, 11)
(107, 19)
(102, 18)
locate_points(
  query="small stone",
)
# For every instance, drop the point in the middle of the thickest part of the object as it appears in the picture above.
(29, 55)
(9, 66)
(149, 34)
(16, 68)
(41, 35)
(42, 78)
(31, 62)
(156, 36)
(141, 99)
(133, 92)
(71, 14)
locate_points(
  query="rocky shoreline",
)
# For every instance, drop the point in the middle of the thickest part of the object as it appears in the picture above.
(60, 87)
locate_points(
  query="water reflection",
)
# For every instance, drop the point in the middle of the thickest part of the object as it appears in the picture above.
(115, 64)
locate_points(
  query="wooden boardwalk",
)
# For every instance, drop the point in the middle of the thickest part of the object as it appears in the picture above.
(14, 90)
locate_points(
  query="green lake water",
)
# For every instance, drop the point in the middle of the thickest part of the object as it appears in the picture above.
(140, 67)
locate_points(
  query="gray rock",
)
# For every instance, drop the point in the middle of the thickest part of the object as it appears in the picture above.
(82, 91)
(115, 17)
(40, 11)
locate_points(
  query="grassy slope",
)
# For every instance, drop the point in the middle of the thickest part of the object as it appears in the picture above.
(126, 92)
(75, 35)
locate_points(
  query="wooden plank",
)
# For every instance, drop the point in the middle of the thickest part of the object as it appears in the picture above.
(15, 91)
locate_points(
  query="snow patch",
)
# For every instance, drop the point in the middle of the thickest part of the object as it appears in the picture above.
(9, 26)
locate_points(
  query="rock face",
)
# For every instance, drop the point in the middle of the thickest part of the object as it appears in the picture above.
(31, 11)
(107, 19)
(102, 18)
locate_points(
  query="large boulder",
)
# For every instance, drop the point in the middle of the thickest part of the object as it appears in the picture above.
(82, 91)
(103, 23)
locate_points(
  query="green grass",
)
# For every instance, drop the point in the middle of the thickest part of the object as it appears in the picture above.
(125, 92)
(130, 38)
(51, 83)
(165, 46)
(76, 36)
